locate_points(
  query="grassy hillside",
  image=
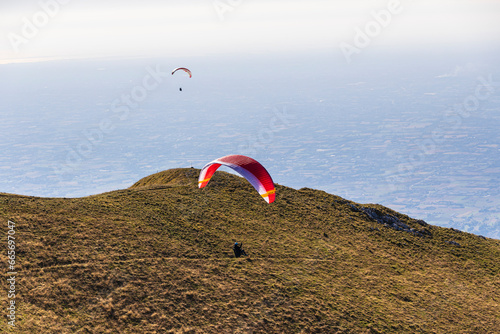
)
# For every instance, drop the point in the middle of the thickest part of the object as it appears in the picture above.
(157, 258)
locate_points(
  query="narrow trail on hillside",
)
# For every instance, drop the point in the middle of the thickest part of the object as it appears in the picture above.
(241, 259)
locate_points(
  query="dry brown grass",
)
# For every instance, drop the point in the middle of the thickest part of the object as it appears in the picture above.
(156, 258)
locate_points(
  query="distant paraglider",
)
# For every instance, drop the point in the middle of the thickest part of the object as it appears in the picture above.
(182, 69)
(249, 168)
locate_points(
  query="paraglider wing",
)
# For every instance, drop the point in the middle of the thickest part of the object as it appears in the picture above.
(249, 168)
(182, 69)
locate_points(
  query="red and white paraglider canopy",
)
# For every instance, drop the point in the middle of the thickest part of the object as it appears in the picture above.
(182, 69)
(249, 168)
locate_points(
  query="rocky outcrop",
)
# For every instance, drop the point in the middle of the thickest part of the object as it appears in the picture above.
(392, 221)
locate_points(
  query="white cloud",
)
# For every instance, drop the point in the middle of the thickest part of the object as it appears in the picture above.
(133, 28)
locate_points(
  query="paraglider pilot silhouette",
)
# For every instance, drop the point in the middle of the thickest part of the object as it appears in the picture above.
(238, 250)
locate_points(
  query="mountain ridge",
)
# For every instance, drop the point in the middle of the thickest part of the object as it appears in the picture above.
(156, 257)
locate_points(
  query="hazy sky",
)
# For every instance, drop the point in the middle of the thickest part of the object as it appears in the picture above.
(90, 28)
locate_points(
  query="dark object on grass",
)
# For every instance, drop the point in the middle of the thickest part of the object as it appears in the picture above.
(238, 250)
